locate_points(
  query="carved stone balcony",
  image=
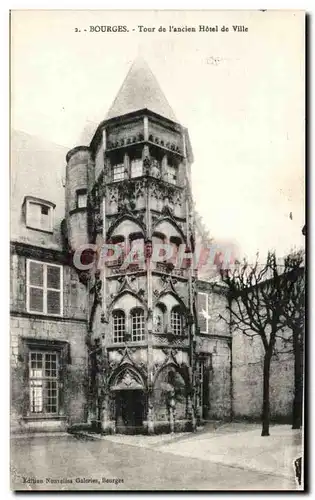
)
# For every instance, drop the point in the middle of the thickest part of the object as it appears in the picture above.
(169, 268)
(128, 140)
(115, 268)
(169, 338)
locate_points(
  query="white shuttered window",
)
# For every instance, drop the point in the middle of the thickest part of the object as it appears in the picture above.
(203, 312)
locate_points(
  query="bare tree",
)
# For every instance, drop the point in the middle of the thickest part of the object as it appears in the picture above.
(257, 295)
(293, 309)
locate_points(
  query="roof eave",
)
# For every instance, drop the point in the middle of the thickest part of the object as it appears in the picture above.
(133, 114)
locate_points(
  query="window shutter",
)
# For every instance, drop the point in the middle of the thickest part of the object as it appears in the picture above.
(203, 312)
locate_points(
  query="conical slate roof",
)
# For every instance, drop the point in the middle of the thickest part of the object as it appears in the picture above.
(140, 90)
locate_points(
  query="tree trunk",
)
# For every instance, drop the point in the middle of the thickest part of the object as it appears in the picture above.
(266, 398)
(298, 381)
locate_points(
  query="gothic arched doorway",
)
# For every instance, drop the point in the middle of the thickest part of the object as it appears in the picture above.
(130, 402)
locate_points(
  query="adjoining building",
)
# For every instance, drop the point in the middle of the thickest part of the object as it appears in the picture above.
(48, 304)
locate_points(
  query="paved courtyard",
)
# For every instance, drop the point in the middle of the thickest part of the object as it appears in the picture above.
(230, 457)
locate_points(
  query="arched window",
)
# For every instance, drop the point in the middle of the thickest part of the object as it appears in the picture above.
(137, 324)
(119, 326)
(176, 321)
(159, 318)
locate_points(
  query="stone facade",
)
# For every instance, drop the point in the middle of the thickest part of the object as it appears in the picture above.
(151, 369)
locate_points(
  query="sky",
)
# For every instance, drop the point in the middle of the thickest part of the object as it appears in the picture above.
(240, 94)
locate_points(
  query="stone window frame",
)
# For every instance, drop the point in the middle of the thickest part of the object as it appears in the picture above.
(62, 348)
(172, 174)
(44, 204)
(43, 395)
(137, 327)
(79, 194)
(44, 288)
(118, 172)
(126, 330)
(176, 322)
(122, 327)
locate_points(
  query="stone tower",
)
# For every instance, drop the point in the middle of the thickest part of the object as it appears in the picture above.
(130, 189)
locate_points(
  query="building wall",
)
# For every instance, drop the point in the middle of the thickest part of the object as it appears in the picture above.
(38, 170)
(236, 382)
(71, 328)
(219, 380)
(247, 375)
(75, 384)
(216, 341)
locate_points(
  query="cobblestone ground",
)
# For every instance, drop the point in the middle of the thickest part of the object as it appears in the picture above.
(72, 463)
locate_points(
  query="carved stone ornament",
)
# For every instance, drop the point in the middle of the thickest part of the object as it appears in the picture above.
(129, 381)
(167, 210)
(104, 318)
(139, 189)
(141, 293)
(155, 170)
(98, 222)
(84, 277)
(155, 368)
(126, 355)
(146, 165)
(97, 289)
(126, 196)
(113, 364)
(113, 194)
(125, 285)
(169, 286)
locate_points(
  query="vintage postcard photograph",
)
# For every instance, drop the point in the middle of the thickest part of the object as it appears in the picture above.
(157, 250)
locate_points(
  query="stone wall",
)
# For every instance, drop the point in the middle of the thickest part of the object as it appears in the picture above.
(219, 406)
(237, 368)
(75, 383)
(217, 343)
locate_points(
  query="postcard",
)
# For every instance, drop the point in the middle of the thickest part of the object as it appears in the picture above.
(157, 245)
